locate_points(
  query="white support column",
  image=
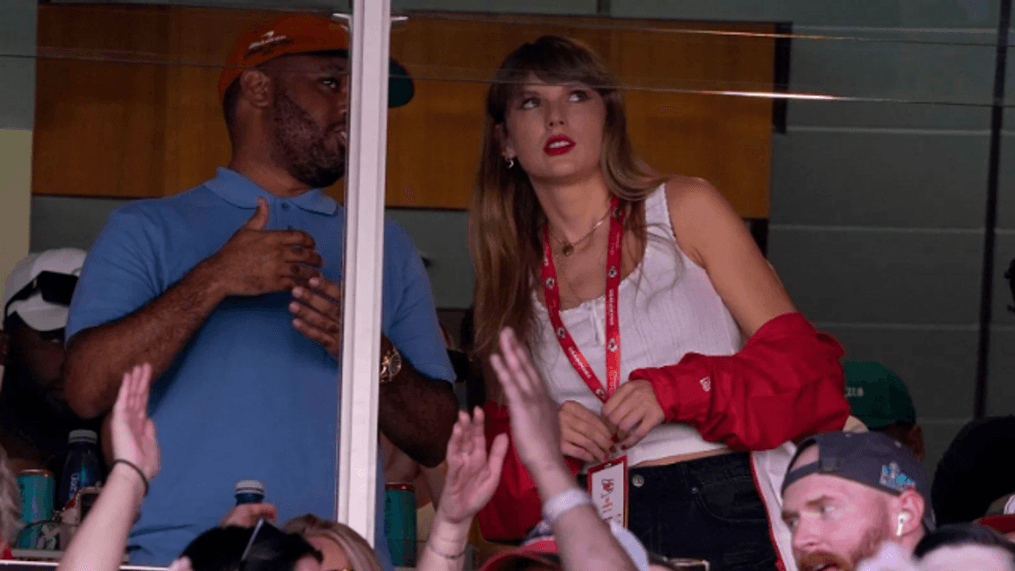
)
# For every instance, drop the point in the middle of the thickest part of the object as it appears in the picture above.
(364, 190)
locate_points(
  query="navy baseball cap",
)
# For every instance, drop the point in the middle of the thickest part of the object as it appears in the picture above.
(868, 458)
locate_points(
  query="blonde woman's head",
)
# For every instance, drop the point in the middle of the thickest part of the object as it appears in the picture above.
(343, 548)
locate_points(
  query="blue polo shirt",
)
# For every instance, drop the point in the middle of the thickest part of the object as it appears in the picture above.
(249, 396)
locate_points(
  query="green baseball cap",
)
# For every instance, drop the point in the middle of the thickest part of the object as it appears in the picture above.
(876, 395)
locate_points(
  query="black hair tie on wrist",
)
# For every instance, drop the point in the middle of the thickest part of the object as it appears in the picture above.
(139, 472)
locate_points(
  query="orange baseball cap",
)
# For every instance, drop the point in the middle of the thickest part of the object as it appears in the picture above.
(298, 34)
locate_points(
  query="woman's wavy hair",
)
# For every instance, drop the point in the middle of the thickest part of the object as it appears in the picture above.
(505, 217)
(359, 553)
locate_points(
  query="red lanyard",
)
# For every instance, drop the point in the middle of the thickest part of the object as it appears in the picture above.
(574, 354)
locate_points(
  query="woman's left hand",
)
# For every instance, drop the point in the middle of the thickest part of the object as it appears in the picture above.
(473, 475)
(632, 411)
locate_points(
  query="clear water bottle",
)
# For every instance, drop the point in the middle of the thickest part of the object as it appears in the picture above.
(82, 467)
(249, 492)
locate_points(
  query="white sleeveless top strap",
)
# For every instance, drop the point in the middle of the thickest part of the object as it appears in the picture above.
(668, 307)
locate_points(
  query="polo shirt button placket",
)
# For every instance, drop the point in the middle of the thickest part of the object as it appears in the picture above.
(285, 207)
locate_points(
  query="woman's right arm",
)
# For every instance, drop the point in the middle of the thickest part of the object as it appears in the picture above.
(101, 540)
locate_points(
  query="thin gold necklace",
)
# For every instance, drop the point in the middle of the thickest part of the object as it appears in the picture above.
(567, 248)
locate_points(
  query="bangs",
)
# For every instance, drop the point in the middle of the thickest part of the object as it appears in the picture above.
(553, 60)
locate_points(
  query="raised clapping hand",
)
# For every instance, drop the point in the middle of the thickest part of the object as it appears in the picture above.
(99, 542)
(584, 540)
(256, 261)
(534, 423)
(473, 474)
(132, 432)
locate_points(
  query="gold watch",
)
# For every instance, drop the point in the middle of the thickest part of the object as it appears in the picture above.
(391, 364)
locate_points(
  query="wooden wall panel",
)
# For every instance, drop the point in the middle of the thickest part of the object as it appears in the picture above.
(146, 120)
(126, 102)
(724, 139)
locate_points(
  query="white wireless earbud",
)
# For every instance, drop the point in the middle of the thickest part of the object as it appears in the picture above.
(903, 518)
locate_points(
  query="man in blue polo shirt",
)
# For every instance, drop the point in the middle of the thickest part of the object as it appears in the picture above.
(230, 291)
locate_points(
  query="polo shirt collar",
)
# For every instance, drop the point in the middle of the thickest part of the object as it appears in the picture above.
(240, 191)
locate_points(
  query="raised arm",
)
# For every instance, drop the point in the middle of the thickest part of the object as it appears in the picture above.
(252, 262)
(583, 538)
(471, 480)
(100, 542)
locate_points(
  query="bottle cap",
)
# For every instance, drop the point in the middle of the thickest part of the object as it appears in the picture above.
(88, 436)
(250, 487)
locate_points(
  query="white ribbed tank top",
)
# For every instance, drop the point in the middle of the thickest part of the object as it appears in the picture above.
(667, 307)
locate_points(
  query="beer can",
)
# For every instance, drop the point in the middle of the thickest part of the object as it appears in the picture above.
(37, 489)
(400, 523)
(249, 492)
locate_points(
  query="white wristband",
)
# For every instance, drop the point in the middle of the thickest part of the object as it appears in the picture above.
(563, 502)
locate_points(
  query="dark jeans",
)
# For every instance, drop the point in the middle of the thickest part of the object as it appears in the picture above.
(703, 509)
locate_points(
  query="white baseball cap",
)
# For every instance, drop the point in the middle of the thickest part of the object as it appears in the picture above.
(41, 300)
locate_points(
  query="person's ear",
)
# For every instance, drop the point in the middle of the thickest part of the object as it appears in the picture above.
(256, 87)
(506, 149)
(914, 441)
(909, 516)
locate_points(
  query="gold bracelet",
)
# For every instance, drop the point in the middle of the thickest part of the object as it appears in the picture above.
(446, 556)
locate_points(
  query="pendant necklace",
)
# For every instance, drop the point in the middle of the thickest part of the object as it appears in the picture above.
(567, 248)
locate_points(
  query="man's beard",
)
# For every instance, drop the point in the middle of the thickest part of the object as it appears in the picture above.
(818, 559)
(868, 547)
(300, 145)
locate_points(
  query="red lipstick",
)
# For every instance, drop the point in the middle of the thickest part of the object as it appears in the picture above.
(558, 145)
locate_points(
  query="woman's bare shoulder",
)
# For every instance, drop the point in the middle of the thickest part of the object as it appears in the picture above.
(690, 191)
(698, 213)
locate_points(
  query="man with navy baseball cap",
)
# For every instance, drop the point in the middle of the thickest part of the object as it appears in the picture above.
(846, 493)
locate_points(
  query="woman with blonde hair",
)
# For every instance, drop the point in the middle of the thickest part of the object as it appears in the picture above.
(633, 293)
(343, 549)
